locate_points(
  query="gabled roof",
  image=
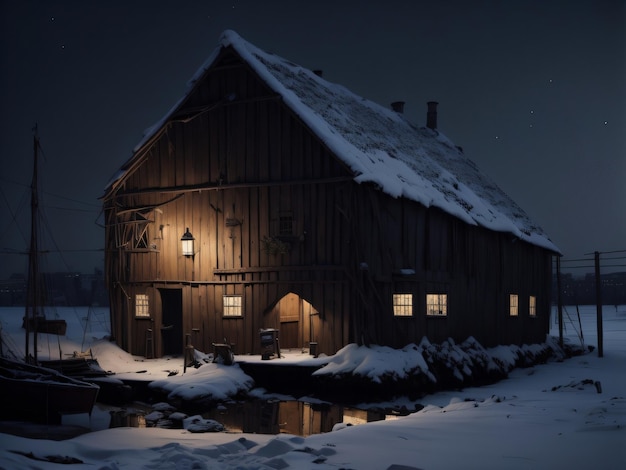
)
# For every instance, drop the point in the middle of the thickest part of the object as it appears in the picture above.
(381, 146)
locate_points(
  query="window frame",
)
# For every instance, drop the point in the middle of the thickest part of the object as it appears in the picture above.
(285, 224)
(513, 305)
(234, 310)
(142, 306)
(443, 306)
(532, 306)
(402, 304)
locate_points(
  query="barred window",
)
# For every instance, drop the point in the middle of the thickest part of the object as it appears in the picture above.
(285, 224)
(403, 305)
(437, 305)
(233, 306)
(142, 306)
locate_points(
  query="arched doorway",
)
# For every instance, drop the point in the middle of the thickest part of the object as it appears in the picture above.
(298, 321)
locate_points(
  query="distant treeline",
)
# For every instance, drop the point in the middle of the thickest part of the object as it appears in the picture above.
(582, 290)
(62, 289)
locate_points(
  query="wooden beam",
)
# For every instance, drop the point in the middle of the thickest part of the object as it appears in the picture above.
(269, 269)
(147, 208)
(217, 186)
(171, 283)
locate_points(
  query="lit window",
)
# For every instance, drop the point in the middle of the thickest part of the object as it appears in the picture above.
(142, 306)
(403, 305)
(532, 306)
(437, 305)
(233, 306)
(513, 305)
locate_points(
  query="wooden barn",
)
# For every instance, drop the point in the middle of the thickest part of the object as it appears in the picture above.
(270, 198)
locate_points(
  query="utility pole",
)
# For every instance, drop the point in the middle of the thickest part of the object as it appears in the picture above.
(599, 304)
(559, 300)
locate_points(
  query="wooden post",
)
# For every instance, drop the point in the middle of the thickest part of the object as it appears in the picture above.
(559, 299)
(599, 304)
(188, 347)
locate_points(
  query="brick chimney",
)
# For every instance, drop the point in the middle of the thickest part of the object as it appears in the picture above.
(431, 115)
(398, 106)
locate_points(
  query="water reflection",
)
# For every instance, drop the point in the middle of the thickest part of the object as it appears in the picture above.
(271, 417)
(274, 417)
(127, 419)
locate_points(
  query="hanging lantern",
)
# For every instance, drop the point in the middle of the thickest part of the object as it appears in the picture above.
(187, 243)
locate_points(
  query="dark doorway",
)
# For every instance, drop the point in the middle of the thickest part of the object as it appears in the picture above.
(172, 327)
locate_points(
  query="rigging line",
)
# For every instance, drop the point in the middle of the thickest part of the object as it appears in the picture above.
(46, 224)
(4, 198)
(46, 193)
(65, 198)
(15, 251)
(12, 348)
(10, 181)
(14, 216)
(58, 250)
(100, 213)
(69, 209)
(49, 194)
(73, 200)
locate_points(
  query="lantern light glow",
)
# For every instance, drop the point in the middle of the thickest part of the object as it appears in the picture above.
(187, 243)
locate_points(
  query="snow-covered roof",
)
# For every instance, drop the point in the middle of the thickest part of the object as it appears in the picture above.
(380, 146)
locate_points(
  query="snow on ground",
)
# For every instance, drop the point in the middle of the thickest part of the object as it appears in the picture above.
(547, 416)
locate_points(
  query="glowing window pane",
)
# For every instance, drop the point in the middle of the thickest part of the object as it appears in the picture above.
(513, 305)
(403, 305)
(532, 306)
(233, 306)
(142, 306)
(437, 305)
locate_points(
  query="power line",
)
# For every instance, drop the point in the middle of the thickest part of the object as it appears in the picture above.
(592, 260)
(605, 252)
(614, 257)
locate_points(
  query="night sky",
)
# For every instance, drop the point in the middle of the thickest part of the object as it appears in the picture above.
(534, 92)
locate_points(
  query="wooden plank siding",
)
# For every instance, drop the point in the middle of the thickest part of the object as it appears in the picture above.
(231, 163)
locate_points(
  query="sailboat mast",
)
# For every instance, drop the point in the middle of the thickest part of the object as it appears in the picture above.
(33, 287)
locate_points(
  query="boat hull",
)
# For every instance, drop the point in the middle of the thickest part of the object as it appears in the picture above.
(51, 326)
(43, 395)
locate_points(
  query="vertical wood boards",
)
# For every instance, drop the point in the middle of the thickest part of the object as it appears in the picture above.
(230, 171)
